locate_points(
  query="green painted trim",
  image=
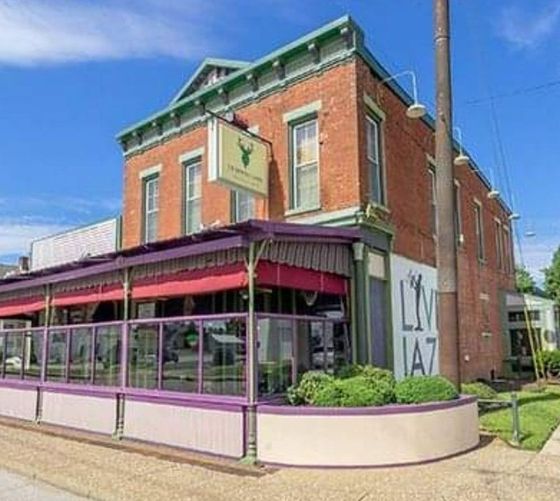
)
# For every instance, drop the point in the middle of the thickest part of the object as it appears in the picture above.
(306, 111)
(389, 349)
(298, 46)
(208, 63)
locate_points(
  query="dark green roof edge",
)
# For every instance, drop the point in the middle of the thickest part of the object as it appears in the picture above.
(298, 45)
(284, 51)
(209, 61)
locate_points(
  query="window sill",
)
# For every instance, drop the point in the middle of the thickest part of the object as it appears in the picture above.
(301, 211)
(380, 207)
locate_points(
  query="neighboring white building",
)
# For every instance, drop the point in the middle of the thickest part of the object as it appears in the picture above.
(541, 313)
(79, 243)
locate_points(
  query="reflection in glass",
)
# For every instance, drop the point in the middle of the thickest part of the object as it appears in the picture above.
(107, 355)
(275, 352)
(56, 352)
(14, 354)
(33, 355)
(224, 357)
(143, 352)
(180, 357)
(80, 355)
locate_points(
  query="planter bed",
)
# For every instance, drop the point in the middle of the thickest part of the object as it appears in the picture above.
(366, 436)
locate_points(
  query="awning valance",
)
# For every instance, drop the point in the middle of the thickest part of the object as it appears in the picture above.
(191, 282)
(281, 275)
(111, 292)
(21, 306)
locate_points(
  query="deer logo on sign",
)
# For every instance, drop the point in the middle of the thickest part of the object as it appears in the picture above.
(246, 151)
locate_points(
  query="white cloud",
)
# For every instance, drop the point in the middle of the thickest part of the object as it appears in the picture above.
(16, 237)
(524, 30)
(537, 251)
(59, 31)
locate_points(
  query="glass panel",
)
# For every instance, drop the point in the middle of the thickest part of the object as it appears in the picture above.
(33, 355)
(180, 357)
(14, 354)
(341, 345)
(275, 351)
(244, 206)
(375, 182)
(143, 356)
(224, 357)
(151, 226)
(307, 186)
(108, 356)
(81, 341)
(372, 132)
(56, 351)
(311, 353)
(193, 216)
(306, 142)
(2, 337)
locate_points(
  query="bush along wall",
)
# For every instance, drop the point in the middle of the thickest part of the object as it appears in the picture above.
(366, 385)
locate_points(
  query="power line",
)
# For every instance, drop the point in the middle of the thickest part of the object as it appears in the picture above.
(517, 92)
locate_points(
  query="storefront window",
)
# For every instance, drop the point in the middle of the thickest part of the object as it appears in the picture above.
(80, 355)
(107, 355)
(275, 352)
(311, 353)
(143, 356)
(56, 351)
(181, 343)
(224, 357)
(14, 354)
(33, 355)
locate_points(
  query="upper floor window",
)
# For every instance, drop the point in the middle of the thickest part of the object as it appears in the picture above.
(499, 245)
(507, 251)
(458, 220)
(479, 231)
(373, 153)
(305, 165)
(151, 208)
(192, 196)
(242, 206)
(433, 200)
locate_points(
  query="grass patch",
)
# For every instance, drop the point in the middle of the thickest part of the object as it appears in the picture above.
(539, 415)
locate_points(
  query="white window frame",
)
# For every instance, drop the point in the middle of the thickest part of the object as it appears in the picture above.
(296, 204)
(238, 198)
(479, 231)
(374, 123)
(150, 234)
(189, 166)
(433, 198)
(499, 244)
(458, 221)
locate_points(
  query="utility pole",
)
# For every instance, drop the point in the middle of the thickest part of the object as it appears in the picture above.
(448, 325)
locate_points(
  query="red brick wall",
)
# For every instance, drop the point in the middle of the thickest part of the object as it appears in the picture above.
(344, 182)
(407, 144)
(338, 157)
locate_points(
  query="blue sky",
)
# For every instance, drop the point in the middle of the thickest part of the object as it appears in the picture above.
(72, 74)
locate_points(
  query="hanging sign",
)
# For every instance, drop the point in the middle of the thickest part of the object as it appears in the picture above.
(236, 158)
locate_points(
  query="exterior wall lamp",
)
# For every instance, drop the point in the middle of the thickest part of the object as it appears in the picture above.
(415, 110)
(460, 159)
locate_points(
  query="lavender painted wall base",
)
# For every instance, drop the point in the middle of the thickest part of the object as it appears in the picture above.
(20, 403)
(211, 430)
(84, 412)
(361, 437)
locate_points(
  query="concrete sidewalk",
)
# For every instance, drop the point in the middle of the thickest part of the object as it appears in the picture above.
(552, 446)
(494, 471)
(15, 487)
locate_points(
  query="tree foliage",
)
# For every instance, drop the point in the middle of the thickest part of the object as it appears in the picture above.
(524, 281)
(552, 278)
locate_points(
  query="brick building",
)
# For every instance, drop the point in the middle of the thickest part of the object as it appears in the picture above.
(368, 165)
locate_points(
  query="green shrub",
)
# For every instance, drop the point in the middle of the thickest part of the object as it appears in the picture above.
(353, 392)
(550, 360)
(416, 390)
(479, 390)
(372, 373)
(304, 392)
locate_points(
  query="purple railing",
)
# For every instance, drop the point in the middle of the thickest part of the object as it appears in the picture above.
(193, 357)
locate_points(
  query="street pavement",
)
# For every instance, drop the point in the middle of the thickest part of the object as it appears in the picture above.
(14, 487)
(494, 471)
